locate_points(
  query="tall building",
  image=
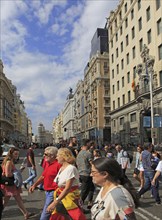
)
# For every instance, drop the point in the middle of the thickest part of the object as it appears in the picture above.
(132, 25)
(92, 95)
(6, 105)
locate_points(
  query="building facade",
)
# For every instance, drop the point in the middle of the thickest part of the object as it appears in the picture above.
(132, 25)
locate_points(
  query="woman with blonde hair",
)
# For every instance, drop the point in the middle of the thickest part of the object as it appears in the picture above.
(8, 169)
(66, 204)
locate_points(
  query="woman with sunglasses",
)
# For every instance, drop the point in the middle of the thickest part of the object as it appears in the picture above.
(117, 198)
(66, 204)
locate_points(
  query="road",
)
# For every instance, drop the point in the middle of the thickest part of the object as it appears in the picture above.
(34, 202)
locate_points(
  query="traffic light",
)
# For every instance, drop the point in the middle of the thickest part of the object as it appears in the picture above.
(65, 129)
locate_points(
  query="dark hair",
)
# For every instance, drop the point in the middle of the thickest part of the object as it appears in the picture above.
(86, 142)
(114, 170)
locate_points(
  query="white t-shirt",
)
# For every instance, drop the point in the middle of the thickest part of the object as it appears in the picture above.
(116, 202)
(68, 173)
(159, 166)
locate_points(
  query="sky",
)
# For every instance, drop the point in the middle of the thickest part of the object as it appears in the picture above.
(45, 46)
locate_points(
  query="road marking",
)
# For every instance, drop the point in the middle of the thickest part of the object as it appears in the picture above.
(148, 213)
(25, 193)
(141, 215)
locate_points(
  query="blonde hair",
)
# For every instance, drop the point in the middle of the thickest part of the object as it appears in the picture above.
(9, 155)
(67, 155)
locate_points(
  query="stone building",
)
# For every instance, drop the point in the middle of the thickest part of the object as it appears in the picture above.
(132, 25)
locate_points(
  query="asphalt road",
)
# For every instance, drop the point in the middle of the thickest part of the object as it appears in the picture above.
(34, 202)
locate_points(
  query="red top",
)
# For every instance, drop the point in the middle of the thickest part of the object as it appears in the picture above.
(49, 174)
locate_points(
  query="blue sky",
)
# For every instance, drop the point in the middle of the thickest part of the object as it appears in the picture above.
(45, 46)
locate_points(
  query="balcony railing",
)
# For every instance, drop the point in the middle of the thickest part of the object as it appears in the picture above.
(145, 91)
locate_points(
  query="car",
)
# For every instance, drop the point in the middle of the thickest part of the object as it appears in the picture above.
(6, 148)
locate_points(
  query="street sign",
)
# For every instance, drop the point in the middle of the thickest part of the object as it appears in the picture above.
(154, 132)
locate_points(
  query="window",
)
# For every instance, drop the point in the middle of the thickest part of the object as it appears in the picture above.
(120, 15)
(133, 52)
(149, 36)
(113, 88)
(121, 30)
(121, 46)
(160, 74)
(117, 68)
(116, 37)
(160, 52)
(140, 24)
(123, 98)
(117, 52)
(133, 117)
(129, 96)
(159, 26)
(127, 58)
(148, 15)
(118, 102)
(133, 32)
(105, 65)
(132, 14)
(113, 73)
(128, 77)
(158, 4)
(114, 122)
(122, 64)
(141, 44)
(118, 87)
(125, 7)
(139, 4)
(112, 58)
(111, 30)
(123, 81)
(113, 105)
(134, 72)
(115, 22)
(126, 22)
(122, 121)
(127, 41)
(111, 43)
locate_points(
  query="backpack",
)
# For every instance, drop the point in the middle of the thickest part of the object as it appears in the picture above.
(129, 155)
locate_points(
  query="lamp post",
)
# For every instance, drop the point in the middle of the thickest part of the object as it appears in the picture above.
(149, 71)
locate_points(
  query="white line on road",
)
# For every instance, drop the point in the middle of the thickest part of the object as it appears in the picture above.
(148, 213)
(141, 215)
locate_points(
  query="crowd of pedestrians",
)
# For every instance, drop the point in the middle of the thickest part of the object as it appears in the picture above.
(72, 175)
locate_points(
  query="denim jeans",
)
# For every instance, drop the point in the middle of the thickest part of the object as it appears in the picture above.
(32, 175)
(49, 198)
(149, 175)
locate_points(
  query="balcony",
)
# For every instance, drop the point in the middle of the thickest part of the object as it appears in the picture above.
(142, 93)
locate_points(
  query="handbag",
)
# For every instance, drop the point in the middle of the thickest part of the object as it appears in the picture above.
(8, 181)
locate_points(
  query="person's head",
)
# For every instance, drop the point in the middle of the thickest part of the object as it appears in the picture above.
(72, 141)
(50, 153)
(148, 147)
(105, 169)
(13, 155)
(65, 155)
(97, 153)
(86, 144)
(118, 148)
(139, 148)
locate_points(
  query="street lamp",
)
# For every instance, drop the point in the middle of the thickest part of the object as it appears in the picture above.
(149, 71)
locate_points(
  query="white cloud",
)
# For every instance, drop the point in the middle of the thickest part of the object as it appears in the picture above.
(43, 80)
